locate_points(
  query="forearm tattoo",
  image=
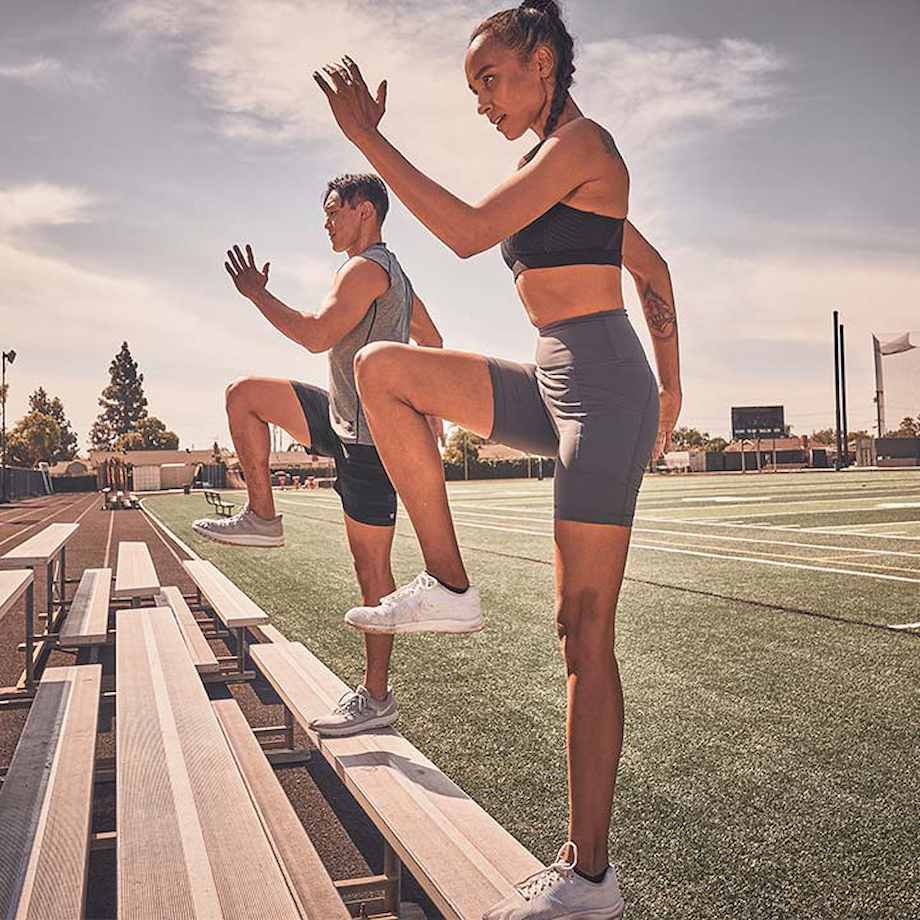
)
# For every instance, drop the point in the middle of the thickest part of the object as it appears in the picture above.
(661, 316)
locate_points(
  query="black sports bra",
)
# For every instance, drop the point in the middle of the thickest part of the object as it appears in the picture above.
(564, 235)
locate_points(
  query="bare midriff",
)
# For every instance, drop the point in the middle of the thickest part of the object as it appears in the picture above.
(551, 295)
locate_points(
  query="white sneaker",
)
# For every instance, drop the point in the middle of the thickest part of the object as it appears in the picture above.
(357, 712)
(423, 605)
(559, 893)
(243, 529)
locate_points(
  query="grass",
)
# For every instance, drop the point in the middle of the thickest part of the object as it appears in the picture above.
(771, 745)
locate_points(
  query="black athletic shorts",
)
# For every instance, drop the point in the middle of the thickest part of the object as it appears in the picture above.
(367, 494)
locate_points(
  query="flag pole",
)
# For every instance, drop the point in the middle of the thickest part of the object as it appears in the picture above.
(843, 401)
(837, 388)
(879, 386)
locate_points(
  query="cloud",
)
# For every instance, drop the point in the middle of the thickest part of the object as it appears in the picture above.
(665, 83)
(255, 59)
(39, 70)
(48, 73)
(188, 348)
(41, 204)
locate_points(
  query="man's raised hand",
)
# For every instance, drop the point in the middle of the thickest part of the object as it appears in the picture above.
(249, 281)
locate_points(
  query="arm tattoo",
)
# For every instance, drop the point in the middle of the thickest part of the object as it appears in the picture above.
(661, 316)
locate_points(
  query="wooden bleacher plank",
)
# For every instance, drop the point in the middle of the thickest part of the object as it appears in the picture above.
(233, 607)
(462, 857)
(267, 633)
(190, 843)
(297, 855)
(46, 799)
(198, 648)
(39, 548)
(135, 575)
(13, 585)
(88, 616)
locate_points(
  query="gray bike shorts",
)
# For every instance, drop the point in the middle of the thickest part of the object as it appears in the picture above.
(590, 401)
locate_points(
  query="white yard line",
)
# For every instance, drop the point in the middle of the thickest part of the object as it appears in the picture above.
(789, 565)
(108, 540)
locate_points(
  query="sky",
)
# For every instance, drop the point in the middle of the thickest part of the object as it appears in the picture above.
(771, 148)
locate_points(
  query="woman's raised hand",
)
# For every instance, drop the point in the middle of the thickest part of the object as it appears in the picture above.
(355, 110)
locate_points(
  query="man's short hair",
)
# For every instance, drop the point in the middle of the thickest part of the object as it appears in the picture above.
(354, 188)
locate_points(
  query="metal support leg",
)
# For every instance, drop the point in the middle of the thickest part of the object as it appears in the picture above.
(30, 631)
(49, 589)
(62, 575)
(392, 869)
(289, 728)
(241, 648)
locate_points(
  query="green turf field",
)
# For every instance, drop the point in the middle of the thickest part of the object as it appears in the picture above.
(770, 671)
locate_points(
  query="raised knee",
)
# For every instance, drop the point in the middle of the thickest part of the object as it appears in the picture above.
(237, 392)
(375, 363)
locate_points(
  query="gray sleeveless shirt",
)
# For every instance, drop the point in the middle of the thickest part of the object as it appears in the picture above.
(387, 320)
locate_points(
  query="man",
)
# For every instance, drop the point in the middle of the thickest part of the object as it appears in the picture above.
(371, 300)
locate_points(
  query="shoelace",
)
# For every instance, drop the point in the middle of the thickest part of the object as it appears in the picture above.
(230, 521)
(421, 582)
(351, 703)
(536, 884)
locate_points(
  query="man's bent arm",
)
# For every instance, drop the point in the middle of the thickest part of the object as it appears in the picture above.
(355, 288)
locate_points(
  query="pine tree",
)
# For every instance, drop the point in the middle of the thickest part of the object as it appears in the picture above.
(124, 406)
(40, 402)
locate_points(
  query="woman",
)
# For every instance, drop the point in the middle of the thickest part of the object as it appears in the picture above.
(591, 400)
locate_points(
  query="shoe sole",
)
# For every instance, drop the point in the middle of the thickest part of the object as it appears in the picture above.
(604, 913)
(370, 725)
(240, 540)
(454, 627)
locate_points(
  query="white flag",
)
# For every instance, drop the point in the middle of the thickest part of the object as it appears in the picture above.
(896, 344)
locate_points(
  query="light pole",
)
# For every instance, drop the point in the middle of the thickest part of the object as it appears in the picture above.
(11, 357)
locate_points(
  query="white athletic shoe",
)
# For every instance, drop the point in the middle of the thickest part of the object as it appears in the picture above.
(243, 529)
(423, 605)
(357, 712)
(559, 893)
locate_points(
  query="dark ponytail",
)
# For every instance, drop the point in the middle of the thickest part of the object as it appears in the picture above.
(537, 22)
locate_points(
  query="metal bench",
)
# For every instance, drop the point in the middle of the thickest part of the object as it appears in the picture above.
(201, 653)
(219, 505)
(46, 799)
(135, 576)
(457, 852)
(298, 857)
(192, 839)
(88, 615)
(229, 604)
(48, 548)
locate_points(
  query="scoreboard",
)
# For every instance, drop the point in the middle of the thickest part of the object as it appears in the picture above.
(752, 422)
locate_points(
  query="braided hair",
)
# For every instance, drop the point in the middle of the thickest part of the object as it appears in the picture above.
(537, 22)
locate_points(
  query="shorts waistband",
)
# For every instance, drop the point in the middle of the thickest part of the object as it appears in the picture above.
(578, 320)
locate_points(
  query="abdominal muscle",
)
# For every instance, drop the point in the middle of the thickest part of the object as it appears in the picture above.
(551, 295)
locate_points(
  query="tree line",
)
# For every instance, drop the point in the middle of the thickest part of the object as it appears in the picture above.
(45, 433)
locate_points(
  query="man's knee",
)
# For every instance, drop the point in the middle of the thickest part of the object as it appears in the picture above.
(376, 363)
(238, 394)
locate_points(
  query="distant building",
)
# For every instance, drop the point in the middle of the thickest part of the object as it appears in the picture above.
(75, 467)
(153, 470)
